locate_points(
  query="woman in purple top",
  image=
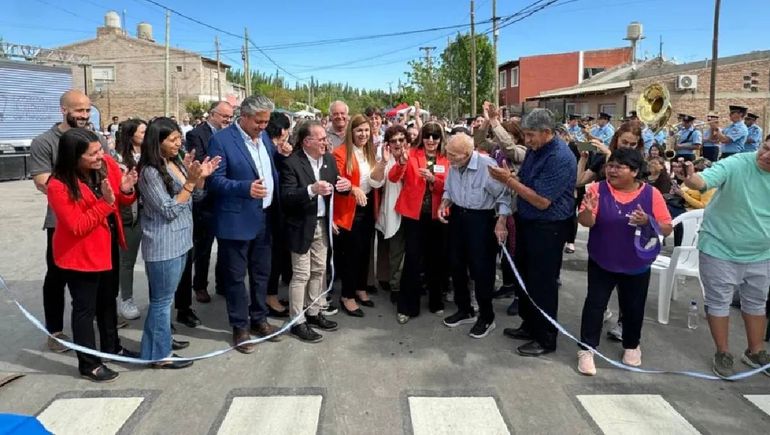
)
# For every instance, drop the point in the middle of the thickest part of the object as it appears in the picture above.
(614, 210)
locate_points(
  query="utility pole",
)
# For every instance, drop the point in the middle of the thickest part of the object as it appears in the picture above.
(219, 70)
(246, 66)
(714, 57)
(473, 60)
(166, 96)
(429, 64)
(310, 93)
(660, 48)
(428, 58)
(494, 53)
(390, 93)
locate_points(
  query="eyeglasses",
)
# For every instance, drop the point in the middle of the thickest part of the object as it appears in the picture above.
(397, 140)
(224, 116)
(615, 166)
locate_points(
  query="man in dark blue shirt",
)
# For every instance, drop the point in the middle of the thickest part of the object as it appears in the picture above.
(545, 206)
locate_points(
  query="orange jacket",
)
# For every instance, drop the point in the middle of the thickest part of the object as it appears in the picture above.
(409, 202)
(345, 205)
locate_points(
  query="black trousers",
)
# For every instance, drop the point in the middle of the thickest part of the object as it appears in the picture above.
(581, 192)
(352, 264)
(53, 289)
(473, 247)
(203, 239)
(280, 267)
(632, 296)
(183, 293)
(538, 257)
(93, 295)
(422, 247)
(711, 153)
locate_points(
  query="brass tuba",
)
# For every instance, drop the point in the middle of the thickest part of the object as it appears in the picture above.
(654, 109)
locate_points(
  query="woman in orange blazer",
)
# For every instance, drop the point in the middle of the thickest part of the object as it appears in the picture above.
(84, 191)
(354, 213)
(422, 169)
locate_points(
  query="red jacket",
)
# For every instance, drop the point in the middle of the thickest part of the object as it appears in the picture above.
(345, 205)
(82, 239)
(409, 202)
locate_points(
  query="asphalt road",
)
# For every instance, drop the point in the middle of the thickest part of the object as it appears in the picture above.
(372, 376)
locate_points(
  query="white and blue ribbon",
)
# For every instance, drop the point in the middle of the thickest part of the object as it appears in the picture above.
(124, 359)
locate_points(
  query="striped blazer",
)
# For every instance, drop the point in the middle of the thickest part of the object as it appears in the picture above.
(166, 226)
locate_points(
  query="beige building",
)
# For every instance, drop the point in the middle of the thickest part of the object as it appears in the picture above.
(742, 79)
(126, 76)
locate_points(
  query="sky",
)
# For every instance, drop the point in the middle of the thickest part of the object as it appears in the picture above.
(568, 25)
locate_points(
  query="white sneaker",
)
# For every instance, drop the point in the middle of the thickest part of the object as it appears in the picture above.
(128, 309)
(632, 357)
(607, 314)
(616, 333)
(586, 364)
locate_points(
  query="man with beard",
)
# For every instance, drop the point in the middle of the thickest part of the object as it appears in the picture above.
(76, 111)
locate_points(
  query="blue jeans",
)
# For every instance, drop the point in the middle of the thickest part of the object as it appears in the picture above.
(163, 278)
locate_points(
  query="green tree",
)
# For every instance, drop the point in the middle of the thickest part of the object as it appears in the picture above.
(456, 64)
(428, 83)
(195, 108)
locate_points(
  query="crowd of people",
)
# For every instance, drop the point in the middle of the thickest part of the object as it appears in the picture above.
(416, 207)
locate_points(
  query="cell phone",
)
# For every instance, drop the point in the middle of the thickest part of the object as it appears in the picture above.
(585, 146)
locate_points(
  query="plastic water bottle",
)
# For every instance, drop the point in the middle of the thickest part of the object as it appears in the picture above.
(692, 315)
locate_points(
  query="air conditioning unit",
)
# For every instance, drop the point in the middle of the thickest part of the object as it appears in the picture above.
(686, 82)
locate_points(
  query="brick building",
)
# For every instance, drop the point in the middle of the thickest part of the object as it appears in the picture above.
(126, 75)
(742, 79)
(530, 75)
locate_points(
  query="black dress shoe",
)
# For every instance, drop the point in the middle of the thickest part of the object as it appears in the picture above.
(277, 314)
(367, 303)
(518, 334)
(358, 312)
(128, 353)
(505, 291)
(179, 344)
(172, 365)
(305, 333)
(101, 374)
(321, 322)
(188, 318)
(533, 348)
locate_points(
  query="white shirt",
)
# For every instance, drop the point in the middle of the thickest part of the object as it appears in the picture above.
(364, 170)
(316, 165)
(388, 220)
(261, 159)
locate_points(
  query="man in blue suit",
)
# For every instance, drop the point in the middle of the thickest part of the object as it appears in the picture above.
(245, 187)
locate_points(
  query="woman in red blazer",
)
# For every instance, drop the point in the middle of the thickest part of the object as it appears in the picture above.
(354, 213)
(85, 189)
(422, 170)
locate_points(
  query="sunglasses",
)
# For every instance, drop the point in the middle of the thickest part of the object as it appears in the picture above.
(397, 140)
(432, 136)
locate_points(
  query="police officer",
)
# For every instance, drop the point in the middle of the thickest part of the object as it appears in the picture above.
(710, 144)
(754, 139)
(603, 130)
(689, 139)
(575, 129)
(733, 137)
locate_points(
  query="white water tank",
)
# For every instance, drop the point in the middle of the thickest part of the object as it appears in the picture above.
(144, 31)
(634, 31)
(112, 19)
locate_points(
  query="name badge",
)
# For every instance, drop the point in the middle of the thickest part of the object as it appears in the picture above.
(439, 169)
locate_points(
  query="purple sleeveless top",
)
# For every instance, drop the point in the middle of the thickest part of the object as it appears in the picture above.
(611, 239)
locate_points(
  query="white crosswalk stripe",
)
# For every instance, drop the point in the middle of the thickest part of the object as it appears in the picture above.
(94, 415)
(761, 401)
(296, 415)
(636, 414)
(456, 416)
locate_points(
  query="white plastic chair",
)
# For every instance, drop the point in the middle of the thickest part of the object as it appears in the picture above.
(683, 262)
